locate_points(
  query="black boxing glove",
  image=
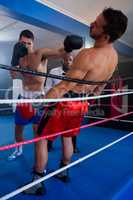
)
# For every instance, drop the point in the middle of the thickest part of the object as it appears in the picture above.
(20, 50)
(72, 42)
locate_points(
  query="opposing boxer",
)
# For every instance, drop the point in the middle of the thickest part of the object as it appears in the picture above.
(32, 87)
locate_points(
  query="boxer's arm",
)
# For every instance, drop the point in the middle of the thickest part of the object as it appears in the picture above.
(33, 60)
(51, 53)
(78, 70)
(63, 87)
(71, 42)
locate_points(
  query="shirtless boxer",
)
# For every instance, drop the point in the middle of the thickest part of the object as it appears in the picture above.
(96, 64)
(32, 87)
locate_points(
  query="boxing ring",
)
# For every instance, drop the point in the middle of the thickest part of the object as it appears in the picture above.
(102, 170)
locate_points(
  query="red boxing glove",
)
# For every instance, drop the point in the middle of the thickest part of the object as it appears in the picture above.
(26, 110)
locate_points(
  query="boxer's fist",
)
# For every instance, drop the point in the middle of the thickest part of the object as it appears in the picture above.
(26, 110)
(19, 51)
(72, 42)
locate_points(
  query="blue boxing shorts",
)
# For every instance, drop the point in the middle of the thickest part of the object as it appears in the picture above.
(25, 112)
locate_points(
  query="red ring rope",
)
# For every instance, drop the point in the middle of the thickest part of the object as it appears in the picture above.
(7, 147)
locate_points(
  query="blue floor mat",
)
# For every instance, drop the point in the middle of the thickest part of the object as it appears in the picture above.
(101, 177)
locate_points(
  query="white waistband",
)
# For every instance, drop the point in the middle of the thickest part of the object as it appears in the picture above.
(31, 94)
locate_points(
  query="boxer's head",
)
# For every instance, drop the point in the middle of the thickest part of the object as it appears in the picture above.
(27, 37)
(67, 62)
(111, 24)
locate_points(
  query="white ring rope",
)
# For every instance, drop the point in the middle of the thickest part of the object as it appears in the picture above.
(117, 120)
(12, 194)
(11, 101)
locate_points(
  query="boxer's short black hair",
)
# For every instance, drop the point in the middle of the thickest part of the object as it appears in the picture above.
(116, 23)
(27, 33)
